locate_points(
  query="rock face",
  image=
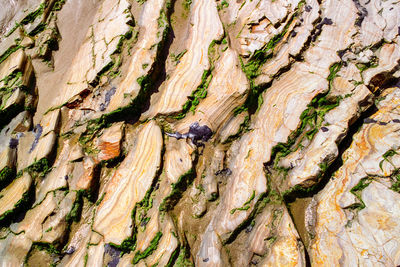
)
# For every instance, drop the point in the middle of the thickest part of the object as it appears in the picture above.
(199, 133)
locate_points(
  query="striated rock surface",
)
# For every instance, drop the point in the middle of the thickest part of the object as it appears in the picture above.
(199, 133)
(367, 199)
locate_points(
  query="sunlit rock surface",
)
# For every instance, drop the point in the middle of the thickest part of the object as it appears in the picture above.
(358, 219)
(199, 133)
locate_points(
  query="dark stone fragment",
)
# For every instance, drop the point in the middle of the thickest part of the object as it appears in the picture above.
(293, 34)
(206, 260)
(144, 222)
(341, 53)
(362, 12)
(225, 171)
(396, 120)
(324, 129)
(327, 21)
(70, 250)
(307, 8)
(13, 143)
(102, 107)
(114, 253)
(249, 228)
(107, 98)
(38, 132)
(369, 120)
(197, 132)
(313, 38)
(113, 263)
(109, 94)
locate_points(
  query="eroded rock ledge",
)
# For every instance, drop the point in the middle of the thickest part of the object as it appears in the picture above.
(199, 133)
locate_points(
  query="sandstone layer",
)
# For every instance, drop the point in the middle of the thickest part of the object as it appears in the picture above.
(199, 133)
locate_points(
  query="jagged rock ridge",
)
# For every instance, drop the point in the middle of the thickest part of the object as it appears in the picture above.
(199, 133)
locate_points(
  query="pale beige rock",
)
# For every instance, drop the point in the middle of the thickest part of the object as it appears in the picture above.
(389, 57)
(16, 98)
(8, 155)
(226, 91)
(50, 121)
(83, 174)
(43, 40)
(129, 185)
(77, 247)
(55, 226)
(352, 233)
(188, 73)
(109, 143)
(14, 193)
(260, 24)
(58, 176)
(272, 125)
(178, 159)
(95, 255)
(51, 212)
(293, 45)
(126, 260)
(152, 24)
(283, 102)
(166, 246)
(14, 62)
(43, 148)
(108, 26)
(232, 126)
(214, 167)
(216, 202)
(286, 250)
(305, 164)
(13, 250)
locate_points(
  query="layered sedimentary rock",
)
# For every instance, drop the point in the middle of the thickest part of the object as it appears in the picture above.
(367, 199)
(109, 25)
(206, 27)
(199, 133)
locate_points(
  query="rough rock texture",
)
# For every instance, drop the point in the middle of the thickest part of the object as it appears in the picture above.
(199, 133)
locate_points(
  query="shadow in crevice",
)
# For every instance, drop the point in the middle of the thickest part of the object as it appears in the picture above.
(337, 163)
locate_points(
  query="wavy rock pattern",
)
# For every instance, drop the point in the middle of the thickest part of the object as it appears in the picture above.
(102, 39)
(126, 188)
(199, 133)
(343, 215)
(206, 28)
